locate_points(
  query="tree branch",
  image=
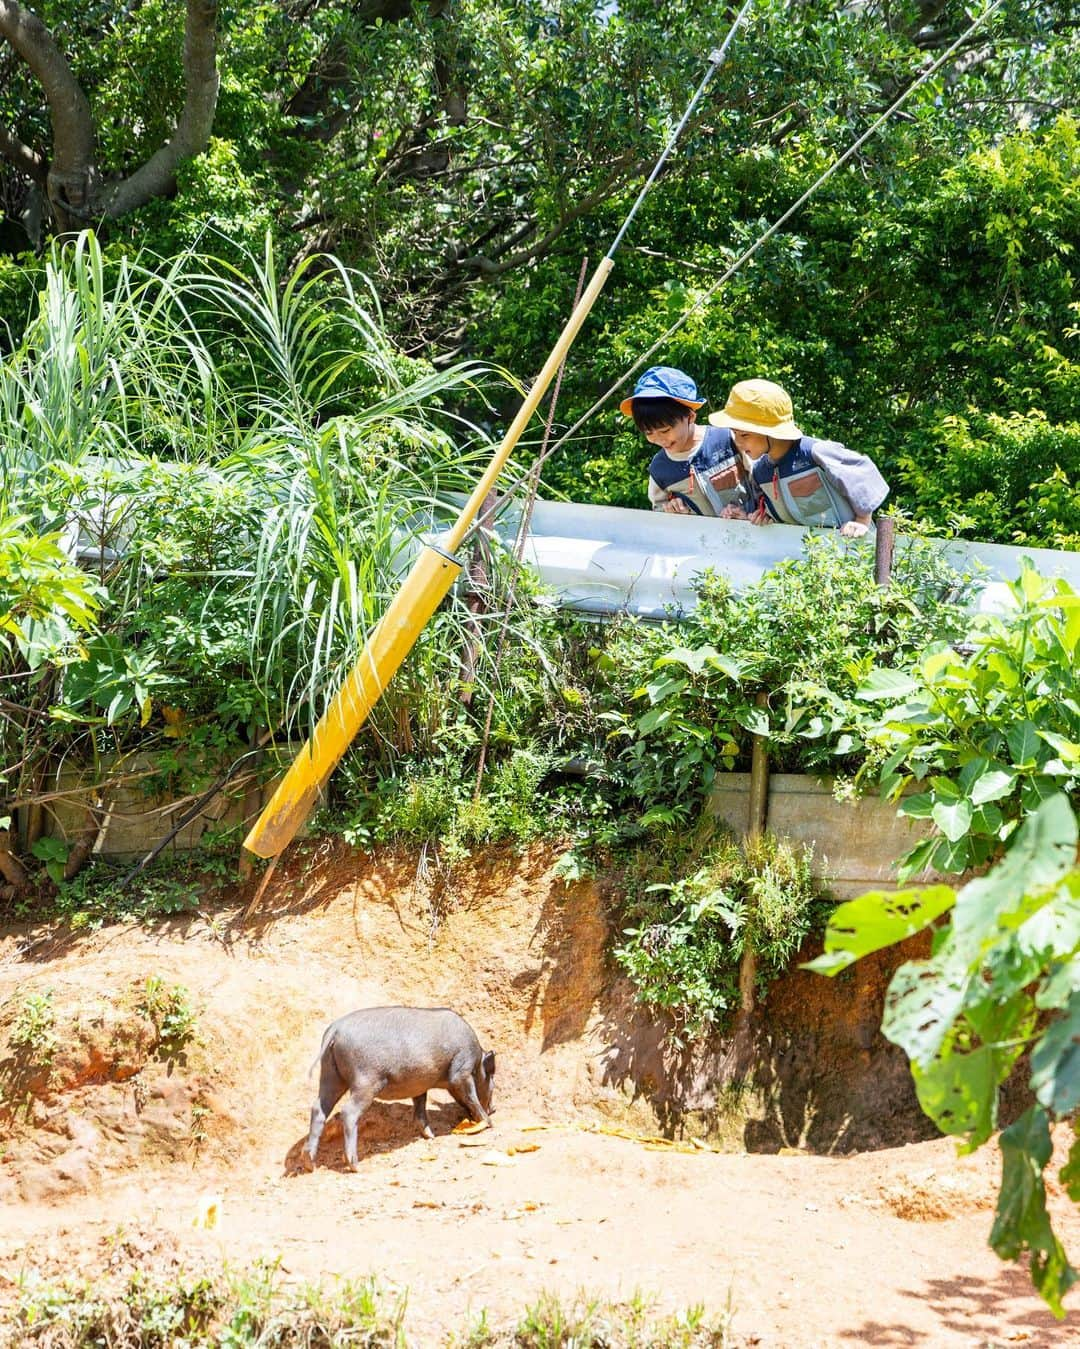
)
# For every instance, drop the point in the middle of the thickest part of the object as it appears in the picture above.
(70, 177)
(192, 135)
(27, 161)
(625, 167)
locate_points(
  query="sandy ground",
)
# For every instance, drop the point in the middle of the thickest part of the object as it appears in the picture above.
(880, 1248)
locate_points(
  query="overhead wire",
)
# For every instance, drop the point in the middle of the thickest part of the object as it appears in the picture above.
(759, 243)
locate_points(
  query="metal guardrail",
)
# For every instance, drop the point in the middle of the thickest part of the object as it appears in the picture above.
(605, 560)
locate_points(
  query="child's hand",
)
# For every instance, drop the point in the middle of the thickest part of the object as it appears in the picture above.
(854, 529)
(676, 506)
(733, 512)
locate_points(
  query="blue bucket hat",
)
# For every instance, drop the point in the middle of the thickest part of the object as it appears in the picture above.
(663, 381)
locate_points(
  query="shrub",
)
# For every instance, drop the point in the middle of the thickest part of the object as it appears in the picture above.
(805, 635)
(688, 937)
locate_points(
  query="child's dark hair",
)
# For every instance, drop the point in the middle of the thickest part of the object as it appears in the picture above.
(653, 414)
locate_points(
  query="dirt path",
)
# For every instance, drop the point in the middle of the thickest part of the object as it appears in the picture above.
(881, 1248)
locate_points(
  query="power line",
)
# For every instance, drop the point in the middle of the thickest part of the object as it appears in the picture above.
(762, 239)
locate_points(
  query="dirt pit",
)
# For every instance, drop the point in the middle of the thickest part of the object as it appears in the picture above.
(798, 1186)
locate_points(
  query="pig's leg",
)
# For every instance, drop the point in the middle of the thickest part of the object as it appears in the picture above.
(463, 1090)
(360, 1097)
(331, 1087)
(419, 1109)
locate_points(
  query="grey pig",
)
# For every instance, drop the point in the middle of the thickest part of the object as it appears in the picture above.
(397, 1053)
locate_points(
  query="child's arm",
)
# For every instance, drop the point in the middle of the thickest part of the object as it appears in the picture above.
(856, 478)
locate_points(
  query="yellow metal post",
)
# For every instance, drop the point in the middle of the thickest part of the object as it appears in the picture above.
(396, 632)
(390, 642)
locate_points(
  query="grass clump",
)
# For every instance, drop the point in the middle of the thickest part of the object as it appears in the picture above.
(252, 1308)
(256, 1309)
(174, 1019)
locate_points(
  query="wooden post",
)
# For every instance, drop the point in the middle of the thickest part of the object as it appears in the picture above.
(759, 779)
(758, 816)
(883, 550)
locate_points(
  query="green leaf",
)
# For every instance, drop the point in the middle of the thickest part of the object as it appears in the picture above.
(1049, 928)
(1060, 985)
(696, 659)
(920, 806)
(654, 718)
(1055, 1063)
(1023, 741)
(923, 1001)
(1022, 1222)
(659, 689)
(953, 818)
(882, 683)
(876, 920)
(990, 785)
(754, 719)
(916, 860)
(1043, 850)
(959, 1091)
(1068, 750)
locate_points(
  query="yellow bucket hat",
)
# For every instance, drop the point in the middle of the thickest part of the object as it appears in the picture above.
(758, 405)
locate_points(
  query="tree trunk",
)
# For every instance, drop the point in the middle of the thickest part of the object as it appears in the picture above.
(76, 190)
(11, 868)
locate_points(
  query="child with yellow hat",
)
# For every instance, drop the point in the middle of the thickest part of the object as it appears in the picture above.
(695, 470)
(796, 479)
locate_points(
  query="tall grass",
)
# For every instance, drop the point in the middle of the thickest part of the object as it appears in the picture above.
(250, 462)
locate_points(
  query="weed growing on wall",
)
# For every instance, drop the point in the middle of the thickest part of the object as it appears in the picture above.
(685, 938)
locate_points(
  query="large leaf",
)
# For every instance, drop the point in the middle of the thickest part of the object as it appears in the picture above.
(984, 780)
(1055, 1063)
(1052, 931)
(1042, 851)
(891, 684)
(1024, 744)
(923, 1001)
(1062, 983)
(953, 818)
(876, 920)
(959, 1091)
(1022, 1222)
(697, 658)
(755, 719)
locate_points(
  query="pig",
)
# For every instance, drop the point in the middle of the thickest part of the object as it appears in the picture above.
(397, 1053)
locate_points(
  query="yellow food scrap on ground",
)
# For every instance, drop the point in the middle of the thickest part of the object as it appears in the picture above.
(208, 1212)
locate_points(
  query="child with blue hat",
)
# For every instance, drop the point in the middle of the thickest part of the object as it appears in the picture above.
(696, 469)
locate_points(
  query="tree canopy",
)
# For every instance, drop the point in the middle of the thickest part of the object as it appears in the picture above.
(466, 156)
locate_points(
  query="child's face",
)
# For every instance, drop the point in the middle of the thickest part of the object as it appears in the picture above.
(751, 444)
(675, 439)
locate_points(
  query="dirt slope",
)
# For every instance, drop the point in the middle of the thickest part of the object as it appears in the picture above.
(875, 1247)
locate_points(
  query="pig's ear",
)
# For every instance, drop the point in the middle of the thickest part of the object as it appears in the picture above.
(488, 1063)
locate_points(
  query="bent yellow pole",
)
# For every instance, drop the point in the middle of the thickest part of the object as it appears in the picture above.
(396, 632)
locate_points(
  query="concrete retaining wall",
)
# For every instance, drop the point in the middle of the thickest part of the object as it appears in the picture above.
(855, 843)
(131, 820)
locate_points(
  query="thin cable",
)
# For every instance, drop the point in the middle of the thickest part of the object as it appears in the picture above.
(762, 240)
(716, 60)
